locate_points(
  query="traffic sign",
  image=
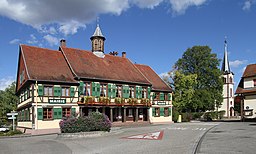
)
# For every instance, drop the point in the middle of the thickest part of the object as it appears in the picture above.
(11, 117)
(12, 113)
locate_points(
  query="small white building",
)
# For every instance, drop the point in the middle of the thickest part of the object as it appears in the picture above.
(247, 92)
(228, 87)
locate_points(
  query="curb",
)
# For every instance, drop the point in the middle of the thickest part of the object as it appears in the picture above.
(200, 140)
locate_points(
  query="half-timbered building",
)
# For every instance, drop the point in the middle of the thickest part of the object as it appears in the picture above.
(52, 84)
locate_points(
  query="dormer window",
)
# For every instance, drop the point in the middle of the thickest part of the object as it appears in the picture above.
(254, 82)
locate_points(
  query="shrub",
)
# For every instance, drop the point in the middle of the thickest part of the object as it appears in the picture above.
(10, 133)
(95, 121)
(175, 115)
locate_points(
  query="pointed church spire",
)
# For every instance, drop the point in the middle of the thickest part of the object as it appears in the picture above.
(225, 64)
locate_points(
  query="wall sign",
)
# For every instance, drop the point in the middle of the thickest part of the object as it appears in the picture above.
(161, 103)
(57, 101)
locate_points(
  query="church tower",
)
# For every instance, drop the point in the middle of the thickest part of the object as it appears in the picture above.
(97, 40)
(228, 87)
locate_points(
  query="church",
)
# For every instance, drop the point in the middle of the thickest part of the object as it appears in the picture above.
(228, 87)
(53, 84)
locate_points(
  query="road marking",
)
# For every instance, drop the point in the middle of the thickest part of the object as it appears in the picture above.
(148, 136)
(185, 128)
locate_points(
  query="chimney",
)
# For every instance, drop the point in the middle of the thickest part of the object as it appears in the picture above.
(124, 54)
(63, 43)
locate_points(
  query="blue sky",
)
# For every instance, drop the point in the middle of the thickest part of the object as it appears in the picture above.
(152, 32)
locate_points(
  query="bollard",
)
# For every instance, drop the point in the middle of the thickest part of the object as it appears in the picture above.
(179, 119)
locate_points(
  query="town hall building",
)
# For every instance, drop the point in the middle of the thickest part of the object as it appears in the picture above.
(53, 84)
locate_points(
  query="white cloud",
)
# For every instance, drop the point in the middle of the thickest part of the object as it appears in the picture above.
(32, 40)
(180, 6)
(15, 41)
(237, 63)
(51, 40)
(5, 82)
(163, 75)
(66, 17)
(247, 4)
(71, 27)
(60, 12)
(146, 3)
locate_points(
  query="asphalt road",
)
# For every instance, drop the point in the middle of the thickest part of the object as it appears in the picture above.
(230, 138)
(177, 138)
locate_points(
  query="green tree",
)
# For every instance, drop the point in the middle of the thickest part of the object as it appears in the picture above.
(200, 61)
(184, 91)
(8, 101)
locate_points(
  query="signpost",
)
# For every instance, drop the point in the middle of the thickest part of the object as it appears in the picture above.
(12, 114)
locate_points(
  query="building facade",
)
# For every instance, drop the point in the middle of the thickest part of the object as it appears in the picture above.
(246, 91)
(53, 84)
(228, 87)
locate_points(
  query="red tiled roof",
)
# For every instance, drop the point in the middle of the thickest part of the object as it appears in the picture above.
(241, 90)
(250, 70)
(46, 64)
(87, 65)
(155, 80)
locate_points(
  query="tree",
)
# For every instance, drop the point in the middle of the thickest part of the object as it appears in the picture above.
(8, 101)
(208, 89)
(184, 91)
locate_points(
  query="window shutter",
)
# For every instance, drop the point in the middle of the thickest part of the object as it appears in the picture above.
(55, 113)
(72, 91)
(140, 92)
(125, 91)
(98, 90)
(153, 112)
(59, 113)
(170, 111)
(149, 91)
(39, 113)
(93, 89)
(40, 90)
(113, 91)
(59, 91)
(161, 111)
(137, 91)
(109, 90)
(81, 88)
(73, 111)
(169, 96)
(27, 115)
(161, 96)
(56, 91)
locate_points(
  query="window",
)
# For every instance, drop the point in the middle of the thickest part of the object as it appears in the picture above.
(230, 80)
(48, 91)
(131, 92)
(254, 82)
(119, 91)
(231, 92)
(157, 114)
(166, 112)
(157, 96)
(64, 91)
(66, 112)
(103, 90)
(224, 80)
(144, 93)
(47, 113)
(88, 89)
(130, 113)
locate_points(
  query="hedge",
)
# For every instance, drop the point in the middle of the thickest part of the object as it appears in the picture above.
(95, 121)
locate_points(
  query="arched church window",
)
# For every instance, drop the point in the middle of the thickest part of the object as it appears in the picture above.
(230, 80)
(224, 80)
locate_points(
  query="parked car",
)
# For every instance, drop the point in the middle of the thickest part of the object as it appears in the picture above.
(4, 129)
